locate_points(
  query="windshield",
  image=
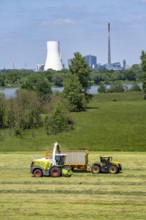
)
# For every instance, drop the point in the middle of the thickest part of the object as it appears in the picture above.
(60, 159)
(105, 159)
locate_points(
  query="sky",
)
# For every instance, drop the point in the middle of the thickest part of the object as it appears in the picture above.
(79, 25)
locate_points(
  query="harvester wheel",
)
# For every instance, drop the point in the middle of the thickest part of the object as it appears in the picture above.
(38, 173)
(113, 169)
(95, 169)
(55, 172)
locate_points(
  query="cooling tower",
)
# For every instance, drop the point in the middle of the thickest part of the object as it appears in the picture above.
(53, 60)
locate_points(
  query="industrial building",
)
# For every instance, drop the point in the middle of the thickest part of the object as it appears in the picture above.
(53, 60)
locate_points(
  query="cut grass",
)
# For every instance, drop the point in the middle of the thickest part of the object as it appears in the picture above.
(82, 196)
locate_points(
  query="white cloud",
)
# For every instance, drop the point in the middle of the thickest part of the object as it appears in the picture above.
(62, 21)
(59, 21)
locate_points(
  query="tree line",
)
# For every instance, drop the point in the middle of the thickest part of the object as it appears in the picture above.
(16, 78)
(36, 105)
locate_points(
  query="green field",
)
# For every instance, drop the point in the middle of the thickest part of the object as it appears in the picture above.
(82, 196)
(112, 122)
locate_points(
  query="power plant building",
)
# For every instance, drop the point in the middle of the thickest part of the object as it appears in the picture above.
(53, 60)
(91, 61)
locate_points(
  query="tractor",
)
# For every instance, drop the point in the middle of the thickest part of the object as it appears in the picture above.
(106, 165)
(53, 167)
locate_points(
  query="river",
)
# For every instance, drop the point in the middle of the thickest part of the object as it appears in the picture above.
(11, 92)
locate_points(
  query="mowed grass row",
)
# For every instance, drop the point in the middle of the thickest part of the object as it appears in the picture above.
(112, 122)
(82, 196)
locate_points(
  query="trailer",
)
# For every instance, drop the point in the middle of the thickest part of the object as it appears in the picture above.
(78, 160)
(75, 159)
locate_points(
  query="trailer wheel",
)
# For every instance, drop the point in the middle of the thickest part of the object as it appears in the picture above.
(38, 173)
(95, 169)
(55, 172)
(113, 169)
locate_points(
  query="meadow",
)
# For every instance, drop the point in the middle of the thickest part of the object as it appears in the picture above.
(82, 196)
(112, 122)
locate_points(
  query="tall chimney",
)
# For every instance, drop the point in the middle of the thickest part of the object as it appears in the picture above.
(109, 46)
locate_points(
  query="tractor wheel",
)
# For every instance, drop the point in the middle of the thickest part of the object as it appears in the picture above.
(95, 169)
(55, 172)
(38, 173)
(113, 169)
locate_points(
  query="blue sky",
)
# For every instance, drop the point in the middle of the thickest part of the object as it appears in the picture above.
(79, 25)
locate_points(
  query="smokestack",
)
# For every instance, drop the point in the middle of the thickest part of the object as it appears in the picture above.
(53, 60)
(109, 46)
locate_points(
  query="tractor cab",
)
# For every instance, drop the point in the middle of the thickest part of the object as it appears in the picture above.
(105, 160)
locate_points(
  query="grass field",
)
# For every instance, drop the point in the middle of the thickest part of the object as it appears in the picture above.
(115, 122)
(82, 196)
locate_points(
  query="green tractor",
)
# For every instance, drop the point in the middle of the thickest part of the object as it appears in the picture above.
(106, 165)
(53, 167)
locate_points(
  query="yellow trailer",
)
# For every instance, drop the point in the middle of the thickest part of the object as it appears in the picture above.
(76, 159)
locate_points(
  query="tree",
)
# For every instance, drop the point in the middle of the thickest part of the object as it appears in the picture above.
(144, 85)
(116, 87)
(115, 76)
(59, 120)
(74, 94)
(39, 84)
(102, 88)
(96, 77)
(57, 78)
(143, 64)
(80, 68)
(135, 87)
(2, 80)
(24, 111)
(43, 89)
(130, 75)
(2, 112)
(143, 60)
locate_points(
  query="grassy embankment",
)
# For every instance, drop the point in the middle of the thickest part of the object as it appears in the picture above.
(112, 122)
(82, 196)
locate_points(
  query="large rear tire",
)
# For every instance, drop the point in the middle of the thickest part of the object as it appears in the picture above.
(113, 169)
(38, 173)
(55, 172)
(95, 169)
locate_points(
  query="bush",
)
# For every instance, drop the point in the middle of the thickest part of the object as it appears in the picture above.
(58, 121)
(102, 88)
(135, 87)
(39, 85)
(24, 111)
(116, 87)
(2, 112)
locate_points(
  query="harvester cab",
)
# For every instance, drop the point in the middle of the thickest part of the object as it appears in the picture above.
(57, 157)
(53, 166)
(106, 165)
